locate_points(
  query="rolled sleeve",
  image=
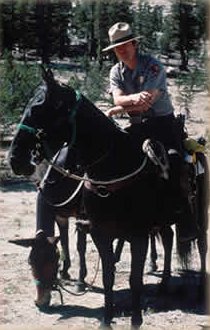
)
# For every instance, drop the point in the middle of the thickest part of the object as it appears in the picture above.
(115, 79)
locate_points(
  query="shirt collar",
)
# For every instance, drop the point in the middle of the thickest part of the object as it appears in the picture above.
(124, 68)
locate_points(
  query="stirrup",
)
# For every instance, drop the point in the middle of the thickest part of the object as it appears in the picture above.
(157, 154)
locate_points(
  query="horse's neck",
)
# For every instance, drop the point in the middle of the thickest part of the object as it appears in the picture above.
(95, 132)
(105, 149)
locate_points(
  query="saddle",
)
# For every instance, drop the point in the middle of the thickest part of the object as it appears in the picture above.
(178, 168)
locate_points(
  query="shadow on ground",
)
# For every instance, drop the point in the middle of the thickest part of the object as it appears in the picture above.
(17, 185)
(183, 292)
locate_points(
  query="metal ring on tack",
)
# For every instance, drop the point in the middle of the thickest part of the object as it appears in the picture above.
(102, 191)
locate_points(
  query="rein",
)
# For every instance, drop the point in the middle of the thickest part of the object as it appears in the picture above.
(85, 178)
(68, 200)
(89, 286)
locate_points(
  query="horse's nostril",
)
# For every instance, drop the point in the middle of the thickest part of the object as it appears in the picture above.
(20, 169)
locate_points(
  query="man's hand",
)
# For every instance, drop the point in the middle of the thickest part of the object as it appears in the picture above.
(135, 103)
(142, 99)
(134, 109)
(118, 109)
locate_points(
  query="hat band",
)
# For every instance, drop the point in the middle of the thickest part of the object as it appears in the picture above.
(122, 39)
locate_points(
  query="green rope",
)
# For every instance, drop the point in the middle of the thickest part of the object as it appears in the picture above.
(27, 128)
(72, 117)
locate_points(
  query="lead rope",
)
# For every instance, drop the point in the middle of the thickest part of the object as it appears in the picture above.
(59, 286)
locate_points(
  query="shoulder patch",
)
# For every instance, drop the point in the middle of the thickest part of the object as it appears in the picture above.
(155, 69)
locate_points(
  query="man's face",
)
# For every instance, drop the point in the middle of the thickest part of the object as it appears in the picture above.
(125, 52)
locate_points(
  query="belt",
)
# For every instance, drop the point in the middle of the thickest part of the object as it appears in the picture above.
(141, 119)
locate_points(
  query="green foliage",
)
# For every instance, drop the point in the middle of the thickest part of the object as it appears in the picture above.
(95, 82)
(189, 83)
(148, 21)
(39, 26)
(92, 19)
(17, 83)
(92, 83)
(184, 29)
(48, 27)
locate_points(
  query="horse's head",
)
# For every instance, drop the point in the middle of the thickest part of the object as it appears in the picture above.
(43, 258)
(46, 118)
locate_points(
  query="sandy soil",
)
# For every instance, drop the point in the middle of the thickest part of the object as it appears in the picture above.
(182, 308)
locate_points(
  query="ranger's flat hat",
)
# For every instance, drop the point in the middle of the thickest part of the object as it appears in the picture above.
(119, 34)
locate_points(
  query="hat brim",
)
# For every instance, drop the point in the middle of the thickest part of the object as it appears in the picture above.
(119, 44)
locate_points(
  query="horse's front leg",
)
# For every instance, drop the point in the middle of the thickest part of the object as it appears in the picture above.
(167, 235)
(153, 255)
(105, 249)
(63, 225)
(81, 248)
(139, 247)
(118, 249)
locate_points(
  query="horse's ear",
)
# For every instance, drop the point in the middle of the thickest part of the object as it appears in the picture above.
(47, 74)
(41, 237)
(25, 242)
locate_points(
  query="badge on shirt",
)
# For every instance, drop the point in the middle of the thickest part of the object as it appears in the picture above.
(141, 79)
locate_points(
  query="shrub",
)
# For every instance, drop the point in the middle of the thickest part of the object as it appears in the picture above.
(17, 84)
(92, 83)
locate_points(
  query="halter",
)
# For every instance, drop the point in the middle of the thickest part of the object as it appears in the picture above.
(39, 133)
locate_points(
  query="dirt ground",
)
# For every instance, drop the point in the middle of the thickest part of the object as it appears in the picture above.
(181, 308)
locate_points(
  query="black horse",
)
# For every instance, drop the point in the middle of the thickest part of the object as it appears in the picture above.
(61, 197)
(125, 195)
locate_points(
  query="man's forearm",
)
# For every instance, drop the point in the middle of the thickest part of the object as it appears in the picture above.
(119, 109)
(144, 98)
(134, 103)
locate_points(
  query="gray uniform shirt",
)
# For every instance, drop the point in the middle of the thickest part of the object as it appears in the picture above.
(149, 74)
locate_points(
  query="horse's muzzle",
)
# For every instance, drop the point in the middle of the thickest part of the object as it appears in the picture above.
(20, 168)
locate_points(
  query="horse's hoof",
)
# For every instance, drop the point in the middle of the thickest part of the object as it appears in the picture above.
(136, 321)
(105, 324)
(152, 268)
(164, 285)
(42, 306)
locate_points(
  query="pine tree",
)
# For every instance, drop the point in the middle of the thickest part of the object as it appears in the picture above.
(184, 28)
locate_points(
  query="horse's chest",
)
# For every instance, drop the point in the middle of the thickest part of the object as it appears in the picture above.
(125, 205)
